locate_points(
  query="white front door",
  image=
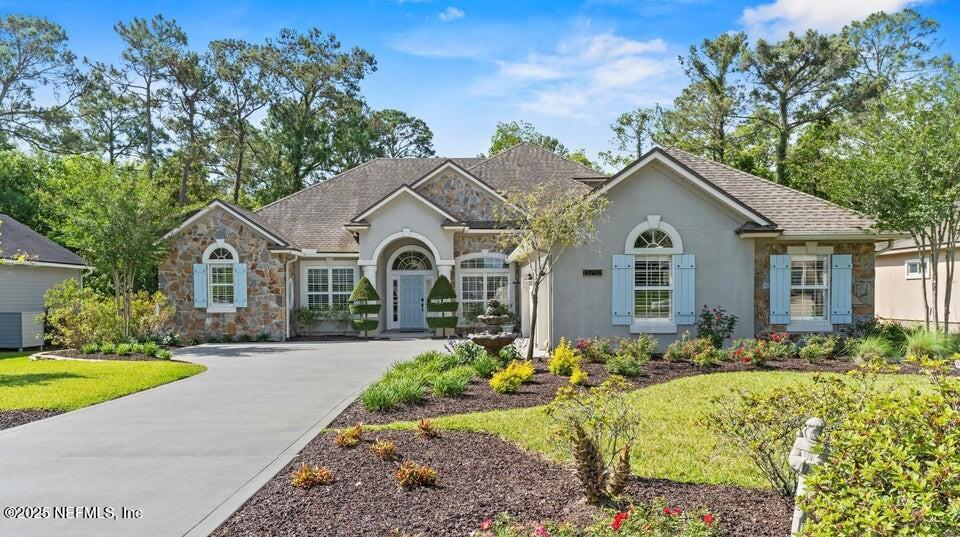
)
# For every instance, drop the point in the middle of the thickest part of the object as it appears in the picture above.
(411, 302)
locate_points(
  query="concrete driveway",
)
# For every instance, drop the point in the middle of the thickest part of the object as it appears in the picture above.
(180, 458)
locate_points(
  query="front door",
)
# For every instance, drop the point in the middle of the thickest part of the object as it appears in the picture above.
(411, 302)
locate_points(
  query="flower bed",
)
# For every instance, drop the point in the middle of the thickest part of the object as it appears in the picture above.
(478, 476)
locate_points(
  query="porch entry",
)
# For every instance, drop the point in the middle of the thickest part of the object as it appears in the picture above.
(412, 302)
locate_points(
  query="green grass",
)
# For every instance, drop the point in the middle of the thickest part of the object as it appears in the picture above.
(70, 384)
(674, 443)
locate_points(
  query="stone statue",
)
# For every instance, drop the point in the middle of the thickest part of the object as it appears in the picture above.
(803, 457)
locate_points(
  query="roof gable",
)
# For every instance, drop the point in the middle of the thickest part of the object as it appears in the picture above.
(26, 246)
(250, 219)
(449, 165)
(399, 191)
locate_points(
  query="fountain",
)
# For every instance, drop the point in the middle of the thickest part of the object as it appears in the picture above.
(493, 338)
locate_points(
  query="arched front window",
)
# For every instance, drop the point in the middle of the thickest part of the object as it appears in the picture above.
(412, 260)
(220, 259)
(653, 238)
(653, 243)
(482, 276)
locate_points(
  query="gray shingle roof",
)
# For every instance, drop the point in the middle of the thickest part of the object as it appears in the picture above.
(514, 169)
(17, 239)
(793, 211)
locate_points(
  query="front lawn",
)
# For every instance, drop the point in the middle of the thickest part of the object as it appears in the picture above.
(63, 385)
(675, 442)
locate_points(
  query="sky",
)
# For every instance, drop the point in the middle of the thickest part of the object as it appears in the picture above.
(568, 67)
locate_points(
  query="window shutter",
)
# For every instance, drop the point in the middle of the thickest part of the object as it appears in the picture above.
(779, 289)
(622, 289)
(199, 285)
(684, 270)
(841, 283)
(240, 285)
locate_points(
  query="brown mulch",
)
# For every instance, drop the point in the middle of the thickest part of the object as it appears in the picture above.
(12, 418)
(132, 357)
(479, 396)
(479, 476)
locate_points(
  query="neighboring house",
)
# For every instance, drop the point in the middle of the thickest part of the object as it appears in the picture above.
(680, 232)
(29, 265)
(900, 281)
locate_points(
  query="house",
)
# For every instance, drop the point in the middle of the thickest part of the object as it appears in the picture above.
(680, 232)
(29, 265)
(900, 281)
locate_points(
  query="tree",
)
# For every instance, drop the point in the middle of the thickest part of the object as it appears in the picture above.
(365, 306)
(512, 133)
(401, 135)
(580, 157)
(109, 121)
(442, 299)
(899, 162)
(797, 81)
(33, 57)
(148, 46)
(190, 87)
(23, 178)
(548, 223)
(244, 87)
(707, 112)
(631, 133)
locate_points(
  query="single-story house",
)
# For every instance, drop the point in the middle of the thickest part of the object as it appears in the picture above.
(900, 271)
(680, 232)
(29, 265)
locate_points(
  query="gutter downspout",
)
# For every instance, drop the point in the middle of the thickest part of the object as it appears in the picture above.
(286, 294)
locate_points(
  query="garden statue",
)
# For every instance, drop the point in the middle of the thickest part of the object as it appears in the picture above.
(804, 455)
(493, 338)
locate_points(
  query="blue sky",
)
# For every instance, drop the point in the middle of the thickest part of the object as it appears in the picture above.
(567, 67)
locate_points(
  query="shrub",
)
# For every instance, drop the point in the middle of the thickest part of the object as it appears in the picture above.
(384, 449)
(348, 438)
(871, 349)
(151, 349)
(625, 365)
(365, 306)
(137, 348)
(306, 476)
(425, 429)
(485, 366)
(108, 348)
(710, 357)
(78, 315)
(656, 519)
(388, 393)
(597, 350)
(760, 351)
(685, 348)
(89, 348)
(467, 352)
(123, 349)
(164, 354)
(716, 325)
(263, 336)
(453, 382)
(226, 338)
(922, 342)
(442, 300)
(596, 429)
(892, 467)
(818, 348)
(245, 338)
(579, 377)
(504, 381)
(411, 474)
(509, 354)
(563, 360)
(640, 348)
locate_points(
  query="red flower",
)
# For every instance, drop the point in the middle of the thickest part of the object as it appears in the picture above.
(666, 510)
(618, 520)
(745, 360)
(486, 524)
(708, 519)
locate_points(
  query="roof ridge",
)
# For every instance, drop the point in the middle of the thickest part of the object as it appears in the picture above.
(318, 183)
(774, 183)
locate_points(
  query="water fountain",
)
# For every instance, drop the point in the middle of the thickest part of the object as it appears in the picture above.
(493, 338)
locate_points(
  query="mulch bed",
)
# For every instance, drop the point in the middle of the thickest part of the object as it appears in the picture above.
(12, 418)
(478, 477)
(479, 396)
(132, 357)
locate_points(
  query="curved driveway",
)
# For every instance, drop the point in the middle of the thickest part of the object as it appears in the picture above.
(186, 454)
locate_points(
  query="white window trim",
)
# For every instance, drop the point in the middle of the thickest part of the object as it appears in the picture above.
(919, 275)
(812, 324)
(327, 264)
(654, 326)
(484, 272)
(209, 263)
(653, 222)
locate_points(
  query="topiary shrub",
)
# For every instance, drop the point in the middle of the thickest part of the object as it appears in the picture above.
(442, 300)
(563, 360)
(365, 306)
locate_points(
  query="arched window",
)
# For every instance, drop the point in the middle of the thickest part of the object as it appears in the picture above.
(412, 260)
(482, 276)
(219, 259)
(653, 243)
(221, 254)
(653, 238)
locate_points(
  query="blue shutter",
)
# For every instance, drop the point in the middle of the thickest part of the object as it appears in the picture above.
(841, 280)
(240, 285)
(622, 289)
(684, 287)
(779, 289)
(199, 285)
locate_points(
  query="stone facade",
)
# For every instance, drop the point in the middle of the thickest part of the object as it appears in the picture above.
(265, 311)
(460, 197)
(471, 243)
(862, 284)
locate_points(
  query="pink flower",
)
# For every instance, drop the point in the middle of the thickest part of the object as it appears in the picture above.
(541, 531)
(486, 524)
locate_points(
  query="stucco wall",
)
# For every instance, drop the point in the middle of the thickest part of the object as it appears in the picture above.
(862, 287)
(902, 299)
(402, 212)
(265, 311)
(582, 306)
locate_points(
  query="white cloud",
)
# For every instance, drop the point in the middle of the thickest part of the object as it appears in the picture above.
(450, 14)
(777, 18)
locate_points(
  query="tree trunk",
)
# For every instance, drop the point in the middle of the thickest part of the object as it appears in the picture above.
(187, 164)
(783, 142)
(951, 257)
(919, 240)
(149, 110)
(534, 300)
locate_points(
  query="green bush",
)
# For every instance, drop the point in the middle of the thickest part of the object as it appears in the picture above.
(509, 379)
(871, 349)
(893, 468)
(922, 342)
(563, 360)
(137, 348)
(89, 348)
(123, 349)
(465, 352)
(77, 316)
(453, 382)
(639, 349)
(625, 365)
(685, 348)
(716, 325)
(597, 350)
(164, 354)
(509, 354)
(108, 348)
(710, 357)
(818, 348)
(442, 300)
(245, 338)
(365, 306)
(151, 349)
(485, 366)
(263, 336)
